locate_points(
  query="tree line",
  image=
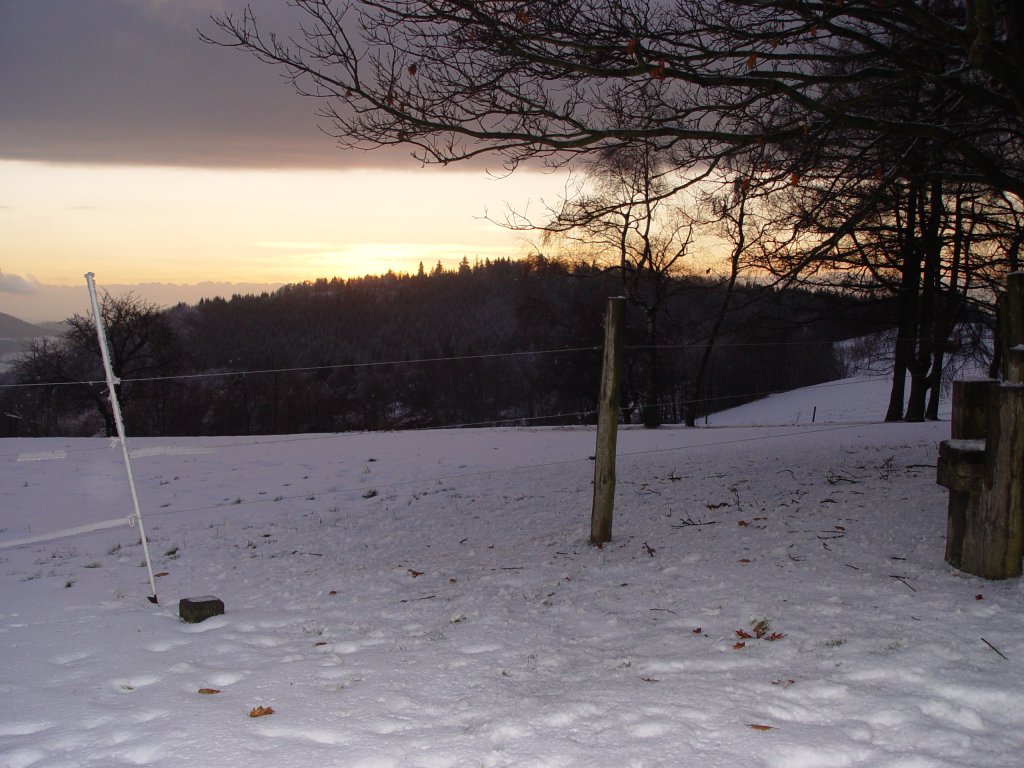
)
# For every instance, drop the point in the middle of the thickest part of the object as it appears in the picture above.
(504, 342)
(869, 143)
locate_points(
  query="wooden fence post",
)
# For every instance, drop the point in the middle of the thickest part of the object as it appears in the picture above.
(983, 465)
(962, 460)
(607, 425)
(1011, 326)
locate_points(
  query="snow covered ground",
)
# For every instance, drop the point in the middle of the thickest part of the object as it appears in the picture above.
(774, 596)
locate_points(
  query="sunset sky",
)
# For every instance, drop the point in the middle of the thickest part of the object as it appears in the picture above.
(131, 149)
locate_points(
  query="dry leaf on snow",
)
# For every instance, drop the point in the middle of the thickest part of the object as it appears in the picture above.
(261, 711)
(208, 691)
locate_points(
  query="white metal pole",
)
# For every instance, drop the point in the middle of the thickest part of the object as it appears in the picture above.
(116, 407)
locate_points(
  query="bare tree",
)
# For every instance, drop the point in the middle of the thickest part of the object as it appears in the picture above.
(628, 219)
(865, 96)
(556, 79)
(141, 344)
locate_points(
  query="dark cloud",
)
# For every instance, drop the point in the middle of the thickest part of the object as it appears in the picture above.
(17, 284)
(129, 81)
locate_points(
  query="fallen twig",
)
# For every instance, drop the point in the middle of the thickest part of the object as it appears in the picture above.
(986, 642)
(689, 522)
(905, 582)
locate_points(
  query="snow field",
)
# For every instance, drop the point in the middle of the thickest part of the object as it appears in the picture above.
(457, 617)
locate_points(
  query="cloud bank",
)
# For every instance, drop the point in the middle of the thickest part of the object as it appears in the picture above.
(16, 284)
(130, 82)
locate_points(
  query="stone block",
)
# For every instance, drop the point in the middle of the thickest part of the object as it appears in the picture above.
(192, 610)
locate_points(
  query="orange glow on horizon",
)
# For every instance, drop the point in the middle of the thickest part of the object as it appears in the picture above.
(180, 225)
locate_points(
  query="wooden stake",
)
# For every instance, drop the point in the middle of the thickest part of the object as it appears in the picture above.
(607, 425)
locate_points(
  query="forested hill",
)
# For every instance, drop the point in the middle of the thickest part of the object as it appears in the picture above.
(514, 342)
(13, 328)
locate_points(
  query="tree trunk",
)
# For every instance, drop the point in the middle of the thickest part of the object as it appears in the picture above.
(705, 358)
(652, 405)
(910, 278)
(923, 360)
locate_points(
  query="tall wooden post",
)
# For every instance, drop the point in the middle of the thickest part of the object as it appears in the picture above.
(607, 424)
(962, 463)
(1011, 328)
(983, 465)
(1001, 530)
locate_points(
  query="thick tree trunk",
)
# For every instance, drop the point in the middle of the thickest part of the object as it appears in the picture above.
(923, 359)
(907, 296)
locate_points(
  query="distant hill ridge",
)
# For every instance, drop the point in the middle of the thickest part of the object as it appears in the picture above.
(13, 328)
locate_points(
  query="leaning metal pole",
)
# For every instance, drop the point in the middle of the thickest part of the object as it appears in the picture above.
(116, 407)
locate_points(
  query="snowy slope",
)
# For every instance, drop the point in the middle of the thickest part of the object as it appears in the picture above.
(428, 599)
(857, 399)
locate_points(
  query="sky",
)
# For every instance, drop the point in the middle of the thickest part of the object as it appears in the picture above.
(131, 149)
